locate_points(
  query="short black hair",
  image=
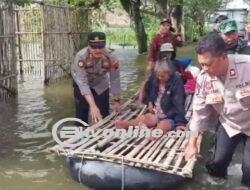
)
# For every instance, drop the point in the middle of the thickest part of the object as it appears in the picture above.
(212, 43)
(220, 18)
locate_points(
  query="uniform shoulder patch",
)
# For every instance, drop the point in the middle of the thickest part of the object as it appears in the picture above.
(80, 63)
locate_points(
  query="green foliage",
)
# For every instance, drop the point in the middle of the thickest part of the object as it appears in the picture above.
(112, 5)
(196, 14)
(126, 36)
(80, 2)
(151, 26)
(31, 21)
(22, 2)
(119, 36)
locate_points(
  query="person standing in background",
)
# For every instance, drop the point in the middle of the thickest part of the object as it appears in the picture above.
(166, 35)
(229, 32)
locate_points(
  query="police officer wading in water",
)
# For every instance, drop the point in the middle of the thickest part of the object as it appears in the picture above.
(94, 70)
(223, 92)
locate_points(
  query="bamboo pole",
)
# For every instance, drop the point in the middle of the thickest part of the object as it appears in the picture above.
(146, 154)
(109, 149)
(7, 36)
(144, 150)
(169, 143)
(159, 149)
(98, 137)
(188, 168)
(7, 77)
(43, 39)
(8, 89)
(138, 148)
(178, 162)
(8, 85)
(127, 161)
(184, 144)
(19, 44)
(152, 149)
(172, 152)
(122, 145)
(130, 146)
(112, 138)
(108, 140)
(97, 125)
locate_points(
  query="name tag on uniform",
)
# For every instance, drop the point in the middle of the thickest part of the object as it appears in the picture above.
(214, 99)
(243, 92)
(243, 96)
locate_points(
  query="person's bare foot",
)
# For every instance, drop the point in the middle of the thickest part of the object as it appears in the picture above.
(120, 124)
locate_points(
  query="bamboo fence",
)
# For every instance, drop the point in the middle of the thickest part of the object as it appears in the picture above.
(38, 41)
(8, 83)
(48, 37)
(164, 155)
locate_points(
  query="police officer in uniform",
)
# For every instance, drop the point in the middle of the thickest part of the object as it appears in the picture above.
(235, 44)
(223, 92)
(94, 70)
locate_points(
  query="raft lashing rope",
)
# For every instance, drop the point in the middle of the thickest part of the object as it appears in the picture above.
(165, 154)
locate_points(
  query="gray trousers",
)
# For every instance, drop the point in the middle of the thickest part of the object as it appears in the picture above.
(224, 151)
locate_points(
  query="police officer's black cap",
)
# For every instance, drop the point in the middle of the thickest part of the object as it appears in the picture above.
(97, 39)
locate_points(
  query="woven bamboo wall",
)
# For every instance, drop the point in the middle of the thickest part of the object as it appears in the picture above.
(38, 40)
(29, 40)
(62, 38)
(48, 37)
(8, 83)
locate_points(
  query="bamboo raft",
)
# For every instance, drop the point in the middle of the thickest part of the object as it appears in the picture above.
(134, 162)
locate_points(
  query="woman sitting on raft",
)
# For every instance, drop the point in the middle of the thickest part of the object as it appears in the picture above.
(166, 100)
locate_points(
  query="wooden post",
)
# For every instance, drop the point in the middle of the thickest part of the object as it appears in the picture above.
(20, 56)
(43, 43)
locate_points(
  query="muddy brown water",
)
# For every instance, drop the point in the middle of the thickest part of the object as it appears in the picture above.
(25, 136)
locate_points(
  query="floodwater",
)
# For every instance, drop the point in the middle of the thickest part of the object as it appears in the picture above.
(25, 137)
